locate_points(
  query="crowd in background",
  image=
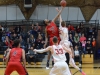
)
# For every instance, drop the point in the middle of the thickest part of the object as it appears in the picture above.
(82, 38)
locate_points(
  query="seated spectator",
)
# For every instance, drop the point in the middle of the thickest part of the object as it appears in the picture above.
(78, 30)
(82, 28)
(39, 42)
(94, 42)
(90, 31)
(89, 47)
(76, 39)
(22, 42)
(31, 56)
(82, 38)
(14, 36)
(37, 28)
(18, 29)
(32, 27)
(94, 47)
(77, 55)
(83, 42)
(84, 46)
(31, 41)
(71, 39)
(71, 29)
(1, 33)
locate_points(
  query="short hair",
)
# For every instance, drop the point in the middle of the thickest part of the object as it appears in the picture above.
(63, 23)
(16, 43)
(55, 39)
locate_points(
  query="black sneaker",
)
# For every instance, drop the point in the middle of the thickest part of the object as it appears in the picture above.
(47, 66)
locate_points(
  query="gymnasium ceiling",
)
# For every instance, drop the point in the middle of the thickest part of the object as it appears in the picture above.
(88, 7)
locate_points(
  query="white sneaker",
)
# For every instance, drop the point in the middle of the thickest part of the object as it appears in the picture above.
(47, 67)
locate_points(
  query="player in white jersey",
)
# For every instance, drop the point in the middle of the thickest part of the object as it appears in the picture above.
(65, 41)
(58, 52)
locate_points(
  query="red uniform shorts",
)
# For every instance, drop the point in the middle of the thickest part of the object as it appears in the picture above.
(51, 41)
(15, 66)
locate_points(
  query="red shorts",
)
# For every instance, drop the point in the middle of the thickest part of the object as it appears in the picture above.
(51, 41)
(15, 66)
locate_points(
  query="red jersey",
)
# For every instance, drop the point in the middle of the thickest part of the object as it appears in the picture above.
(15, 54)
(52, 30)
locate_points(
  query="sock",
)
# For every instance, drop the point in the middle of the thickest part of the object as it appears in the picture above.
(52, 63)
(80, 70)
(47, 61)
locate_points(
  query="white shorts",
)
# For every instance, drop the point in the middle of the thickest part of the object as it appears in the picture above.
(60, 68)
(66, 43)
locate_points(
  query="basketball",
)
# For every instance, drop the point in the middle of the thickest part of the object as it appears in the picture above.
(63, 3)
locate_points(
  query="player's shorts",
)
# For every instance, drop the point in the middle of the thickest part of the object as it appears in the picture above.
(15, 66)
(60, 68)
(51, 41)
(66, 43)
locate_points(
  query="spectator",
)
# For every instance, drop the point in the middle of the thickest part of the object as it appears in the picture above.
(94, 45)
(22, 42)
(78, 30)
(82, 28)
(18, 29)
(83, 43)
(14, 37)
(37, 28)
(77, 55)
(1, 33)
(31, 41)
(76, 39)
(71, 39)
(71, 29)
(82, 38)
(90, 31)
(32, 27)
(39, 42)
(89, 47)
(31, 56)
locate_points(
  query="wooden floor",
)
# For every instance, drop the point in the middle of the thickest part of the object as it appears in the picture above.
(90, 70)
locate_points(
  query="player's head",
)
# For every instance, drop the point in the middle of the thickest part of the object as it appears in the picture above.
(55, 39)
(63, 24)
(46, 21)
(16, 43)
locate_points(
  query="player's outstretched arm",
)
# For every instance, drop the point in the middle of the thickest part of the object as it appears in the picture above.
(43, 50)
(46, 38)
(23, 58)
(57, 16)
(7, 57)
(60, 18)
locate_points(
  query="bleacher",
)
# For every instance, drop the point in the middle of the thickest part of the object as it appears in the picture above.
(26, 24)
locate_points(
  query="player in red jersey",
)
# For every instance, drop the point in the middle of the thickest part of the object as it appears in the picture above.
(13, 60)
(51, 30)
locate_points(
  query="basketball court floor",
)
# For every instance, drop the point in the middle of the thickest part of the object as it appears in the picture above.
(39, 68)
(89, 69)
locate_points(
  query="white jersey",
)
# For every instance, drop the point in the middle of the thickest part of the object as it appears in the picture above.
(62, 31)
(58, 53)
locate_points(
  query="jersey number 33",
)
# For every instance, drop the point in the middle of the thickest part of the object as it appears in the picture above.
(59, 51)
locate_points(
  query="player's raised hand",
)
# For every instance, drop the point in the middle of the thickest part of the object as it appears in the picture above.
(57, 9)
